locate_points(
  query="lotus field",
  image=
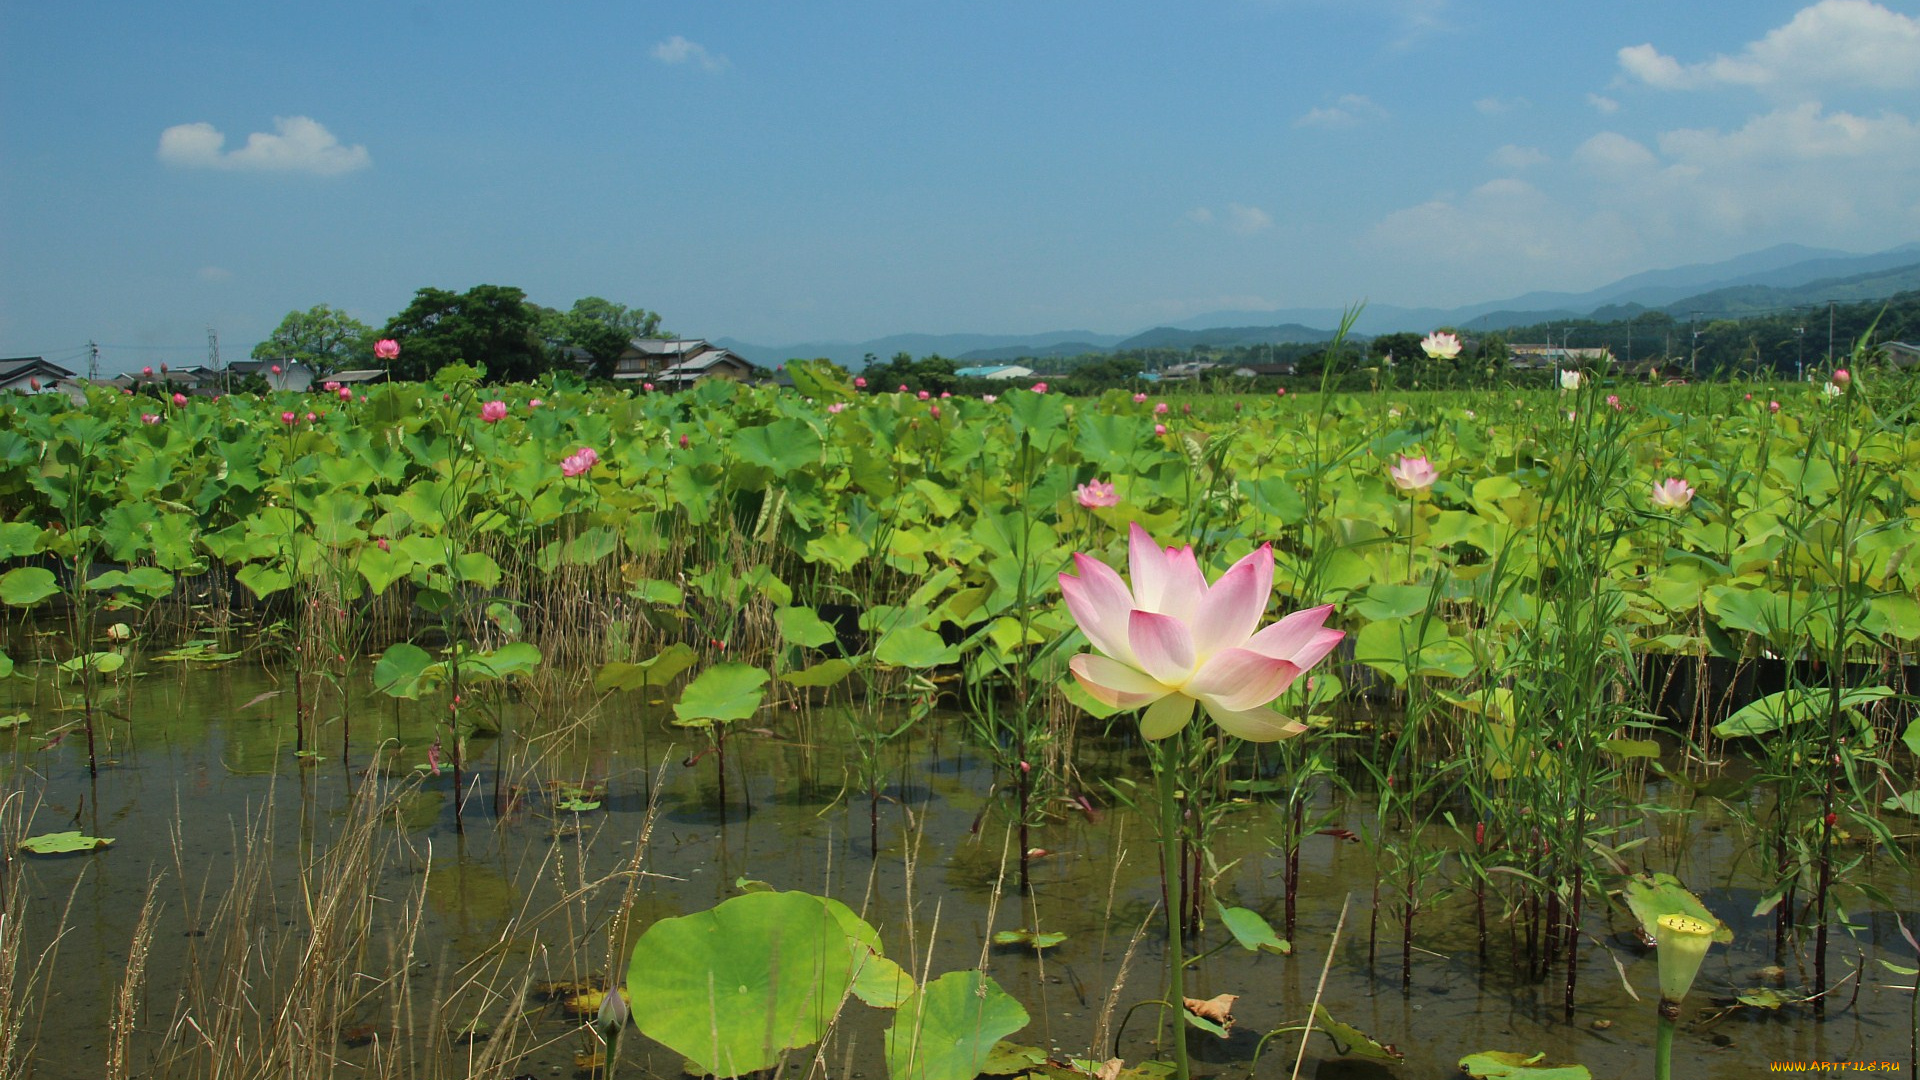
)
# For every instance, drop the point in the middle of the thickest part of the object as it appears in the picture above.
(456, 730)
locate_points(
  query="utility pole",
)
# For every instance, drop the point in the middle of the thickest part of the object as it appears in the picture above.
(93, 362)
(213, 356)
(1830, 305)
(1693, 361)
(1799, 352)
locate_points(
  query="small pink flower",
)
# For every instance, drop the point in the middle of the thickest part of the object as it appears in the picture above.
(1841, 377)
(578, 462)
(386, 348)
(288, 418)
(1413, 474)
(860, 381)
(149, 418)
(1039, 388)
(934, 411)
(924, 395)
(1673, 494)
(1614, 401)
(329, 386)
(493, 412)
(147, 371)
(1159, 429)
(275, 369)
(836, 407)
(345, 394)
(945, 394)
(1096, 492)
(1773, 406)
(1749, 397)
(1282, 392)
(534, 404)
(989, 398)
(311, 417)
(903, 388)
(382, 544)
(683, 442)
(1160, 409)
(647, 386)
(179, 400)
(1139, 399)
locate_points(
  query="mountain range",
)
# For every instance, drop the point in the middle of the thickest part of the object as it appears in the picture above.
(1782, 276)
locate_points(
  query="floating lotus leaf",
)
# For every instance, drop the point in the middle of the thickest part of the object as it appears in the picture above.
(948, 1030)
(1252, 932)
(1496, 1064)
(733, 987)
(1351, 1041)
(1009, 1058)
(62, 843)
(1032, 939)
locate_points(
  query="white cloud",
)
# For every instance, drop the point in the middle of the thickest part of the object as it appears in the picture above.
(1508, 228)
(1247, 220)
(1200, 215)
(214, 273)
(1602, 104)
(1496, 106)
(678, 50)
(1613, 152)
(1831, 43)
(1518, 157)
(1351, 110)
(299, 144)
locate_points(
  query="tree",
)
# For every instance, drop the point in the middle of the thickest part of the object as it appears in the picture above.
(603, 330)
(324, 338)
(488, 324)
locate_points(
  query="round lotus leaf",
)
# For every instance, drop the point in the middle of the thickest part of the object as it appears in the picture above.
(949, 1029)
(732, 987)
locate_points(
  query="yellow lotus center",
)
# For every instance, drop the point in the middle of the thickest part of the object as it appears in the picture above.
(1686, 924)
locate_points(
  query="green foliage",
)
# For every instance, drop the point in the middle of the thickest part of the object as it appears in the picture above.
(490, 325)
(948, 1030)
(326, 339)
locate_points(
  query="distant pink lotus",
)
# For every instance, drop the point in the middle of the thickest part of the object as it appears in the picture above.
(1613, 400)
(837, 407)
(647, 386)
(934, 411)
(1841, 377)
(329, 386)
(860, 381)
(149, 418)
(1159, 429)
(179, 399)
(578, 462)
(1039, 388)
(1671, 494)
(989, 398)
(1139, 399)
(1171, 641)
(275, 369)
(1440, 346)
(289, 418)
(1095, 493)
(1160, 408)
(345, 394)
(924, 395)
(493, 412)
(534, 404)
(386, 348)
(147, 371)
(1413, 474)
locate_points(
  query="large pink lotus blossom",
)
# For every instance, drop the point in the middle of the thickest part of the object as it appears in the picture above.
(493, 411)
(1096, 492)
(1671, 494)
(578, 462)
(1440, 346)
(1172, 641)
(1413, 473)
(386, 349)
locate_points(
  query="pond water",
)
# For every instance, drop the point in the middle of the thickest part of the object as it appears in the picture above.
(201, 790)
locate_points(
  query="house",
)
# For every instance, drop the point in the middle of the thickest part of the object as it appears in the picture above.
(995, 371)
(32, 375)
(1557, 356)
(713, 363)
(194, 380)
(647, 358)
(1255, 371)
(1184, 372)
(357, 376)
(283, 373)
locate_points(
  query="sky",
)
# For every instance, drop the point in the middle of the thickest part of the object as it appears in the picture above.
(785, 172)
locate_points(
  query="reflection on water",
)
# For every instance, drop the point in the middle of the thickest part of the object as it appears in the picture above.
(202, 776)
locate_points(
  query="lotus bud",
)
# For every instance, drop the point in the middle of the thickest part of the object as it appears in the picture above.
(1682, 942)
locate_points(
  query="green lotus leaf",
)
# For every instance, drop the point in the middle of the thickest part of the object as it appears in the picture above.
(733, 987)
(24, 586)
(722, 693)
(915, 647)
(949, 1028)
(405, 670)
(803, 626)
(62, 843)
(1351, 1041)
(1650, 896)
(1252, 932)
(1501, 1064)
(658, 670)
(824, 673)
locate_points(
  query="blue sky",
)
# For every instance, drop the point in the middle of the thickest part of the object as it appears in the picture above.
(782, 172)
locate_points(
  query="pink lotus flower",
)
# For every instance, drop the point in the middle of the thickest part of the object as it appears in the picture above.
(147, 371)
(275, 369)
(149, 418)
(1159, 429)
(345, 394)
(647, 386)
(837, 407)
(989, 398)
(1282, 392)
(1139, 399)
(493, 412)
(1171, 641)
(1673, 494)
(1159, 408)
(924, 395)
(329, 386)
(311, 417)
(903, 388)
(386, 348)
(288, 418)
(1039, 388)
(1413, 473)
(1613, 400)
(1095, 493)
(34, 385)
(945, 394)
(578, 462)
(1440, 346)
(683, 442)
(934, 411)
(534, 404)
(179, 400)
(382, 544)
(1773, 406)
(860, 381)
(1841, 377)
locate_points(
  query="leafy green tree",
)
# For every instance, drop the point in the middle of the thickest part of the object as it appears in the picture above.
(324, 338)
(603, 330)
(488, 324)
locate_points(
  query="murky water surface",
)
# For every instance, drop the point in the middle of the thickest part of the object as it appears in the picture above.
(202, 778)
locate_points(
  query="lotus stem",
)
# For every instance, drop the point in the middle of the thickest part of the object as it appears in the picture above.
(1663, 1042)
(1172, 871)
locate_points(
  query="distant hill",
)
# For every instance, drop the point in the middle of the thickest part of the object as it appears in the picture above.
(1782, 276)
